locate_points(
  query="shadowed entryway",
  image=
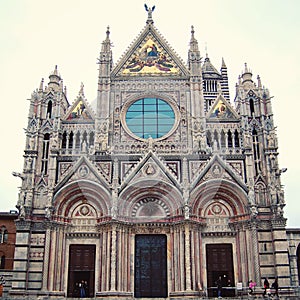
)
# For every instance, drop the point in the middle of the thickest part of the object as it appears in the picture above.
(150, 273)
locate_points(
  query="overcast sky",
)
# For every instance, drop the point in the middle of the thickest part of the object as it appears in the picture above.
(36, 35)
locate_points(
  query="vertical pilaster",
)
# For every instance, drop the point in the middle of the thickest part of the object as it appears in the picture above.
(187, 257)
(254, 241)
(113, 258)
(46, 259)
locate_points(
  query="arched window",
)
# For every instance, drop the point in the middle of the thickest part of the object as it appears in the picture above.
(236, 139)
(216, 139)
(261, 194)
(2, 262)
(84, 139)
(256, 151)
(92, 138)
(223, 139)
(64, 140)
(77, 142)
(49, 109)
(45, 153)
(251, 102)
(3, 235)
(209, 139)
(229, 138)
(71, 136)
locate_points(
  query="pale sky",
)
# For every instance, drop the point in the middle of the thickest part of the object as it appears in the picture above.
(36, 35)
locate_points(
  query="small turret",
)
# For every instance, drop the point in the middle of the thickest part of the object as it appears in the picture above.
(41, 88)
(247, 75)
(55, 78)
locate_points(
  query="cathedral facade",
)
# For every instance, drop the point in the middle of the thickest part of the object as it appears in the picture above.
(161, 189)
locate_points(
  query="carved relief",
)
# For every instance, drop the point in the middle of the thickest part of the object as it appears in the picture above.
(83, 171)
(64, 167)
(196, 167)
(37, 239)
(149, 169)
(150, 208)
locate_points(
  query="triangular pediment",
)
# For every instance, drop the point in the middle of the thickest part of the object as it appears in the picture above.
(79, 111)
(83, 169)
(150, 55)
(47, 126)
(218, 169)
(150, 168)
(222, 111)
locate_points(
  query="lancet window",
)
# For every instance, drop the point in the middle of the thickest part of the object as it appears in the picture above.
(256, 152)
(45, 153)
(3, 235)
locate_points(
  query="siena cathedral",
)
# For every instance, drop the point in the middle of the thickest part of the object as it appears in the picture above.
(162, 188)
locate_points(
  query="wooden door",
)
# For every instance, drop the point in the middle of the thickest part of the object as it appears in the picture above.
(150, 271)
(81, 270)
(219, 263)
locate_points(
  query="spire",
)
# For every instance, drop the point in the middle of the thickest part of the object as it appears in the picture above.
(193, 42)
(224, 80)
(106, 44)
(259, 82)
(81, 91)
(223, 64)
(41, 89)
(150, 11)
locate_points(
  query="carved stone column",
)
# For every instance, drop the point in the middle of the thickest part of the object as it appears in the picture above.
(255, 250)
(113, 258)
(187, 257)
(46, 257)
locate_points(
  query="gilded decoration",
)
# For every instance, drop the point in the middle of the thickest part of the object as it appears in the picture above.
(221, 111)
(79, 112)
(150, 59)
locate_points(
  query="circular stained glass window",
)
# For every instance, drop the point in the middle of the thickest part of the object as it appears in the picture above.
(150, 117)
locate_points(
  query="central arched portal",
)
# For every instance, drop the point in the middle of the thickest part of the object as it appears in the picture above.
(219, 260)
(150, 272)
(81, 275)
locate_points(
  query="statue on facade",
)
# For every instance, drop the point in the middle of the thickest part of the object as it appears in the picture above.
(47, 212)
(186, 210)
(251, 195)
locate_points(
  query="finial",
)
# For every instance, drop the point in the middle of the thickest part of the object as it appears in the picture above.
(81, 92)
(107, 33)
(55, 71)
(150, 11)
(259, 81)
(192, 30)
(41, 85)
(193, 42)
(206, 52)
(223, 63)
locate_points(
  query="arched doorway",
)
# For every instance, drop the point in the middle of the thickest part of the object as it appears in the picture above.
(219, 261)
(150, 269)
(81, 275)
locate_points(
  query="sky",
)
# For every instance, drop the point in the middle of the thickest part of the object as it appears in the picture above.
(36, 35)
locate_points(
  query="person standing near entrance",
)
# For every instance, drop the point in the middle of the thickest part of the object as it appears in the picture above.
(266, 286)
(219, 286)
(275, 287)
(82, 289)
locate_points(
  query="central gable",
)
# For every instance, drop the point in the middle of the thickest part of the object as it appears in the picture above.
(150, 55)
